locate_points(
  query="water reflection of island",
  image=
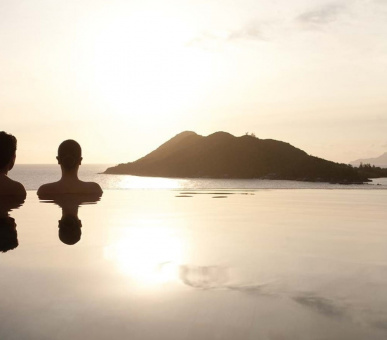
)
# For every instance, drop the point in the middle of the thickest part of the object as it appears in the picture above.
(70, 225)
(8, 232)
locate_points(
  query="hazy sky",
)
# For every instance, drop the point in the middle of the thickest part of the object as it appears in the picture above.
(122, 77)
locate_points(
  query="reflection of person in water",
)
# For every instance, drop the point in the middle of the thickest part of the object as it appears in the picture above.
(8, 233)
(70, 158)
(70, 225)
(7, 161)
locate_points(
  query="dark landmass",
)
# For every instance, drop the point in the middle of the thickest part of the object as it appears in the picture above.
(222, 155)
(371, 171)
(380, 161)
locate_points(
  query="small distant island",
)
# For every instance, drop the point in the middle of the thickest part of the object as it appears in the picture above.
(222, 155)
(380, 161)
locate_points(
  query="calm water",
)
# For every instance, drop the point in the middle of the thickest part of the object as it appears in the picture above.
(33, 176)
(173, 264)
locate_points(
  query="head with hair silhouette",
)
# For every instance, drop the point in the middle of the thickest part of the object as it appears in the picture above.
(8, 145)
(8, 186)
(70, 229)
(69, 154)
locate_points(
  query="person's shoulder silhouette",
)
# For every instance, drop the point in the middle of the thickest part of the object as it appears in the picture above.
(70, 158)
(8, 186)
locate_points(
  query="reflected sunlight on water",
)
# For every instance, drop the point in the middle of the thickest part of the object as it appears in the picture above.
(136, 182)
(149, 254)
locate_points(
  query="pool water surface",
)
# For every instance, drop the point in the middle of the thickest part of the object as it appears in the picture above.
(223, 264)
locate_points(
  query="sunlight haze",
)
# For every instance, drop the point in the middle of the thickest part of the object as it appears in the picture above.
(123, 77)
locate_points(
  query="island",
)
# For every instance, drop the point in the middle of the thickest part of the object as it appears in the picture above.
(222, 155)
(380, 161)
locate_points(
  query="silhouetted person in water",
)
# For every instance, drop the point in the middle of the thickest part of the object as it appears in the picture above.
(7, 161)
(70, 158)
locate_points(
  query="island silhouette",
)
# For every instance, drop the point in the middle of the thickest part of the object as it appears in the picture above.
(380, 161)
(222, 155)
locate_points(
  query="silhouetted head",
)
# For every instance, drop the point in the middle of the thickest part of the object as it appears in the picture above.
(8, 234)
(69, 154)
(7, 150)
(70, 229)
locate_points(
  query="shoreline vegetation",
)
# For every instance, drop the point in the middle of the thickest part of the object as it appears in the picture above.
(222, 155)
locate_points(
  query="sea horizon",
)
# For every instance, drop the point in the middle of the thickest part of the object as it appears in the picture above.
(34, 175)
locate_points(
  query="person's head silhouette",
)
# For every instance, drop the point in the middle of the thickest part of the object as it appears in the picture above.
(8, 145)
(69, 155)
(7, 161)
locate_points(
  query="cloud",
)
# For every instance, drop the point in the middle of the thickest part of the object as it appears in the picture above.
(321, 305)
(381, 324)
(258, 31)
(321, 16)
(250, 32)
(206, 40)
(263, 31)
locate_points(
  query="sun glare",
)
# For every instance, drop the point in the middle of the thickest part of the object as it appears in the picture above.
(141, 67)
(137, 182)
(149, 255)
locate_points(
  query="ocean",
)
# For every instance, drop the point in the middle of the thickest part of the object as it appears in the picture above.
(33, 176)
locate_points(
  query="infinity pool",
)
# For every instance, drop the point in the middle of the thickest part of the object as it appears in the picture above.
(165, 264)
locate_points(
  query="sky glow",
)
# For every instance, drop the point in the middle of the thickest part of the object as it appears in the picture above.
(122, 77)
